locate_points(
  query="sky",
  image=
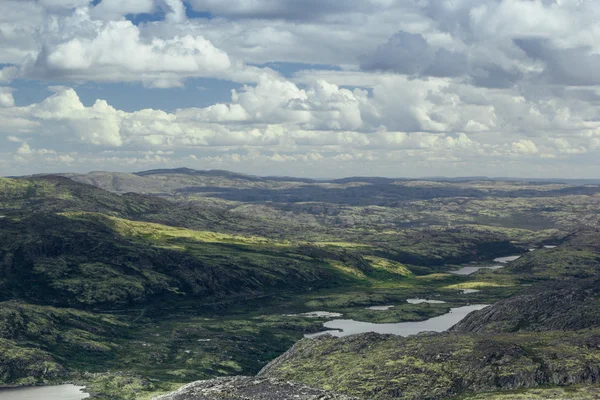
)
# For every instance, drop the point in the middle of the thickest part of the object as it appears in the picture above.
(317, 88)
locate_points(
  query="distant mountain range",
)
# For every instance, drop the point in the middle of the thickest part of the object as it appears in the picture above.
(224, 174)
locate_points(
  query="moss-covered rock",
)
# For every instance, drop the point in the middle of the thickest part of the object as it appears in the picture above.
(573, 307)
(577, 392)
(438, 366)
(23, 366)
(65, 332)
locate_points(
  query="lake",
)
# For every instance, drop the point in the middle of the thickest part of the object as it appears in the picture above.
(470, 270)
(345, 327)
(421, 301)
(380, 308)
(62, 392)
(504, 260)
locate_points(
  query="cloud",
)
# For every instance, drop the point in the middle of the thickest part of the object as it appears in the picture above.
(498, 44)
(434, 85)
(68, 4)
(53, 42)
(273, 115)
(80, 48)
(409, 53)
(278, 101)
(6, 97)
(283, 9)
(114, 9)
(18, 23)
(8, 74)
(564, 146)
(564, 66)
(26, 150)
(175, 10)
(524, 146)
(312, 32)
(64, 113)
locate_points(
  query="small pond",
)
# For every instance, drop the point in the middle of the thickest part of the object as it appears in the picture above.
(316, 314)
(421, 301)
(471, 270)
(505, 260)
(380, 308)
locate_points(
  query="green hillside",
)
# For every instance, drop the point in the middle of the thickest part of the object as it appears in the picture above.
(209, 274)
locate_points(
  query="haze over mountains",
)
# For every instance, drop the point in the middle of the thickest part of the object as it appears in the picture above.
(122, 182)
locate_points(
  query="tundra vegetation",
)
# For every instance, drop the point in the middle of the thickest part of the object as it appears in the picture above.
(135, 284)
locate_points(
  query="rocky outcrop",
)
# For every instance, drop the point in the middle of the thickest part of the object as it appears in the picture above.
(542, 310)
(248, 388)
(441, 366)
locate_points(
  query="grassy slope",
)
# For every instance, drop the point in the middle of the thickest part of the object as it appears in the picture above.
(90, 260)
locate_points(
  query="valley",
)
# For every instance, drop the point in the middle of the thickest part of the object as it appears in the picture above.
(134, 285)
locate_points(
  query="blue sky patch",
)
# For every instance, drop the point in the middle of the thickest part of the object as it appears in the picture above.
(198, 92)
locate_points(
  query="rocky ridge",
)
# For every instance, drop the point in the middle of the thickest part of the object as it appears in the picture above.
(440, 366)
(250, 388)
(544, 309)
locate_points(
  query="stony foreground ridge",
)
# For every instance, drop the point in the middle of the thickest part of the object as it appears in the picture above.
(249, 388)
(441, 366)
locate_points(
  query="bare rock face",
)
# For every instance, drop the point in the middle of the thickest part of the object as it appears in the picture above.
(567, 309)
(249, 388)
